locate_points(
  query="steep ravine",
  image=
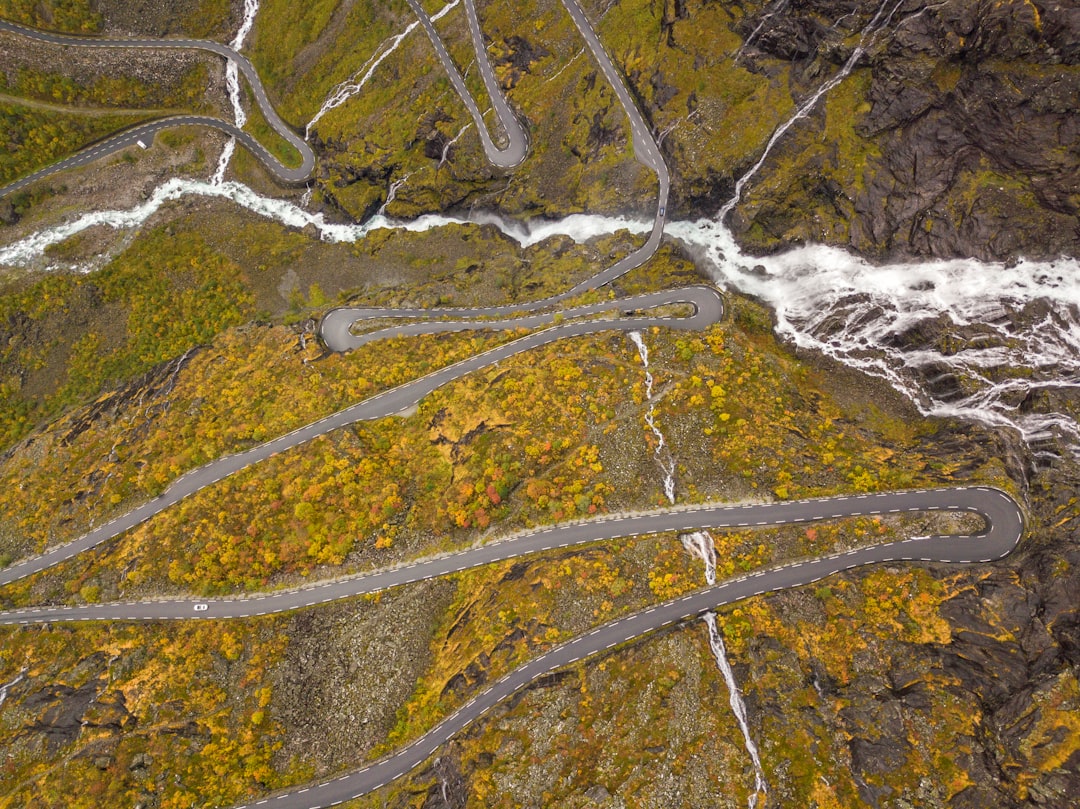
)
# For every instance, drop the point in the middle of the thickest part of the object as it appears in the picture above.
(955, 136)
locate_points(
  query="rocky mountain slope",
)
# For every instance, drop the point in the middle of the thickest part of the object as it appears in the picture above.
(911, 686)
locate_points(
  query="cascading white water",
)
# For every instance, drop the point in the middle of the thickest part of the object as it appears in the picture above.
(30, 250)
(738, 707)
(218, 177)
(780, 6)
(700, 545)
(451, 142)
(661, 453)
(232, 84)
(825, 300)
(355, 83)
(391, 195)
(998, 319)
(351, 86)
(879, 21)
(832, 302)
(4, 688)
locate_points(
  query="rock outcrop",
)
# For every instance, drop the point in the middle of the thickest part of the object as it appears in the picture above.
(968, 129)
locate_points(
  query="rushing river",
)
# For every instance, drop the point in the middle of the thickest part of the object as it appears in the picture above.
(1004, 349)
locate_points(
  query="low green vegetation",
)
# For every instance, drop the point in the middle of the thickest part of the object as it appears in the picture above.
(302, 51)
(207, 19)
(78, 16)
(110, 90)
(34, 138)
(71, 336)
(280, 148)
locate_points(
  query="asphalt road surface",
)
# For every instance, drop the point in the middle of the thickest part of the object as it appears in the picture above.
(146, 132)
(518, 141)
(1004, 527)
(646, 148)
(706, 303)
(1004, 523)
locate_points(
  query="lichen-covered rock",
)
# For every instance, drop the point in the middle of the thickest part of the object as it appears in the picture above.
(965, 118)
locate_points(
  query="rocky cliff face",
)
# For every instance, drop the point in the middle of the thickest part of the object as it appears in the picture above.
(955, 133)
(962, 119)
(1000, 99)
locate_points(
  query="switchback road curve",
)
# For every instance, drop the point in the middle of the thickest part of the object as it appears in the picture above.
(517, 139)
(146, 132)
(646, 148)
(1004, 528)
(704, 301)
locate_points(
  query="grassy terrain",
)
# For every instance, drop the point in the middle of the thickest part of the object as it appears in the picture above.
(52, 109)
(79, 16)
(283, 48)
(106, 91)
(71, 336)
(35, 138)
(206, 19)
(258, 126)
(181, 284)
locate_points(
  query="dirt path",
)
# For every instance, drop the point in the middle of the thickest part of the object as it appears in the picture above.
(90, 112)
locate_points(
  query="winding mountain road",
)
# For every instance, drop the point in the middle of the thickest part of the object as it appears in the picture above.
(146, 132)
(707, 309)
(518, 140)
(1004, 527)
(1004, 522)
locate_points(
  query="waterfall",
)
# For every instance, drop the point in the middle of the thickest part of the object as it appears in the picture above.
(355, 83)
(780, 6)
(865, 40)
(661, 453)
(825, 299)
(4, 688)
(232, 84)
(700, 544)
(391, 195)
(738, 707)
(449, 143)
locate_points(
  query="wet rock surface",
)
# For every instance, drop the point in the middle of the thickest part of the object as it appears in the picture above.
(969, 127)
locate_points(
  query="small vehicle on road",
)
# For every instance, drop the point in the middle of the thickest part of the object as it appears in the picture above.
(662, 209)
(201, 607)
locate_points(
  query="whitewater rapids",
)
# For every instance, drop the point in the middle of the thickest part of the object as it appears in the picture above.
(1015, 329)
